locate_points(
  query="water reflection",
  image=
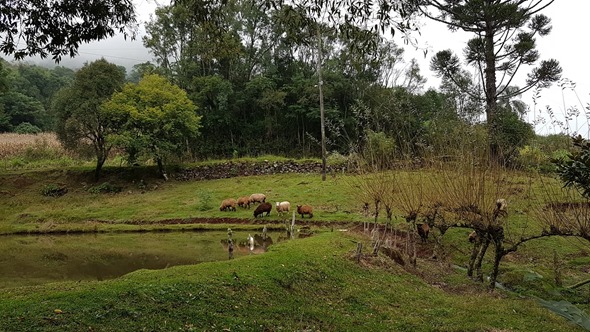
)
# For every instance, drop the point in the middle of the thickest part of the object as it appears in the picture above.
(30, 260)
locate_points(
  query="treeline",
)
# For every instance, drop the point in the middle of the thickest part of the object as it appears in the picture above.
(253, 75)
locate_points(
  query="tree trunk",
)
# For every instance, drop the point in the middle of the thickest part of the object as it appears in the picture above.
(100, 160)
(161, 168)
(499, 253)
(491, 91)
(480, 256)
(476, 247)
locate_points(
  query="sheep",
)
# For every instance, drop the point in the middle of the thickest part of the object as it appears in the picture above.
(305, 209)
(423, 230)
(229, 203)
(257, 198)
(283, 207)
(263, 207)
(244, 202)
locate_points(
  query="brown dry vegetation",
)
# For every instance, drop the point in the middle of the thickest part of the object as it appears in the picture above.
(17, 144)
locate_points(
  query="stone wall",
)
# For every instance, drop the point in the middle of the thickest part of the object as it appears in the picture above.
(231, 169)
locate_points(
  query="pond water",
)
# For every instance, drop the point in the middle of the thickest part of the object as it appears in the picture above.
(38, 259)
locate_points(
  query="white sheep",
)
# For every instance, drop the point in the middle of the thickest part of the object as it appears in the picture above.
(257, 198)
(283, 207)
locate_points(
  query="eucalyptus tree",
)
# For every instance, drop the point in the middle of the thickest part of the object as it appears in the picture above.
(57, 28)
(503, 42)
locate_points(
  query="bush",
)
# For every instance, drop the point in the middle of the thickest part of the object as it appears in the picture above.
(104, 188)
(27, 128)
(204, 200)
(53, 190)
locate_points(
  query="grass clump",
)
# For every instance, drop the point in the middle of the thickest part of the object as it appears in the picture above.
(105, 188)
(53, 190)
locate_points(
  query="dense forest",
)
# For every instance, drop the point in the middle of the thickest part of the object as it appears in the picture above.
(253, 76)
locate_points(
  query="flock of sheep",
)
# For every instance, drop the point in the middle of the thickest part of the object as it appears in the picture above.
(231, 204)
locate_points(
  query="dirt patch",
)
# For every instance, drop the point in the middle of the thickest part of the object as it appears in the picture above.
(236, 221)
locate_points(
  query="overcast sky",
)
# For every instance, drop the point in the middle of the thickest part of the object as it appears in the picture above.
(565, 43)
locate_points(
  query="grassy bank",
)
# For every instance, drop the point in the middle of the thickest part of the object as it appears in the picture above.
(144, 199)
(308, 284)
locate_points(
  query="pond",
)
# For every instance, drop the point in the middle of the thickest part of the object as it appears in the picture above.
(37, 259)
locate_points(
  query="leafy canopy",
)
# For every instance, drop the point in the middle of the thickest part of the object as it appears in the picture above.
(154, 117)
(58, 27)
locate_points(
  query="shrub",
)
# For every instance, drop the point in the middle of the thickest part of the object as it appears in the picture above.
(204, 200)
(27, 128)
(53, 190)
(104, 188)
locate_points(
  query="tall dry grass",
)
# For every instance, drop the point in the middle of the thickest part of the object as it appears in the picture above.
(12, 144)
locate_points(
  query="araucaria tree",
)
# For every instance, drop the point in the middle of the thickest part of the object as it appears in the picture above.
(154, 117)
(504, 42)
(80, 122)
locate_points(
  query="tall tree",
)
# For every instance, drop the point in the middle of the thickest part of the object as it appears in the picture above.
(504, 41)
(155, 117)
(58, 27)
(80, 123)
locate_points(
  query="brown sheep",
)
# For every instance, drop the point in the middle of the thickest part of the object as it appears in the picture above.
(244, 202)
(283, 207)
(263, 207)
(305, 209)
(423, 230)
(228, 204)
(257, 198)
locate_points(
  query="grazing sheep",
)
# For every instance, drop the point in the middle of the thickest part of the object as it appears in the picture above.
(305, 209)
(283, 207)
(244, 202)
(423, 230)
(257, 198)
(263, 207)
(229, 203)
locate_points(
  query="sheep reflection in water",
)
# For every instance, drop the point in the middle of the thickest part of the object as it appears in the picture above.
(258, 245)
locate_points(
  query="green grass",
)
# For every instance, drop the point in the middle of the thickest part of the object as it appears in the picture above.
(308, 284)
(142, 205)
(24, 208)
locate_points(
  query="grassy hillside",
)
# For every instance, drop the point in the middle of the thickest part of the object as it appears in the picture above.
(309, 284)
(145, 199)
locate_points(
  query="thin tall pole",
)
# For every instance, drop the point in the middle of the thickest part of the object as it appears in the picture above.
(322, 123)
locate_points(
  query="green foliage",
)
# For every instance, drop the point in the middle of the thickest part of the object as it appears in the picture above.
(205, 200)
(80, 124)
(511, 132)
(53, 190)
(574, 171)
(57, 29)
(379, 151)
(27, 128)
(105, 188)
(531, 157)
(153, 117)
(19, 108)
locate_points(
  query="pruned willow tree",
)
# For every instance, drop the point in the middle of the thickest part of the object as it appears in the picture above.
(503, 42)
